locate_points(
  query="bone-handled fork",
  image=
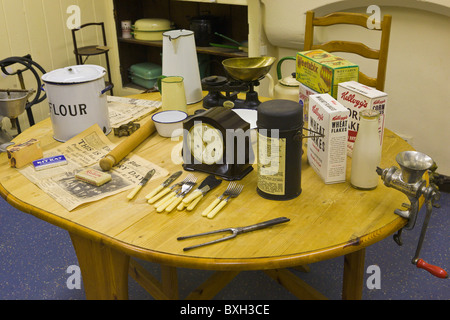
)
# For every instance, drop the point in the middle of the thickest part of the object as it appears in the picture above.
(174, 190)
(186, 186)
(218, 199)
(162, 191)
(179, 197)
(233, 194)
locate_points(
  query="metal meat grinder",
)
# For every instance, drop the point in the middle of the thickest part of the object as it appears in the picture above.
(409, 180)
(13, 102)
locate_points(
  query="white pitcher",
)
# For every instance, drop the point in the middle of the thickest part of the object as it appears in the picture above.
(180, 59)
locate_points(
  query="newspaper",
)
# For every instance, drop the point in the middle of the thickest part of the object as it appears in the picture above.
(85, 150)
(123, 110)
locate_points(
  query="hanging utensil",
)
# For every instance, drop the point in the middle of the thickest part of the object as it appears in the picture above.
(245, 49)
(234, 232)
(237, 46)
(227, 38)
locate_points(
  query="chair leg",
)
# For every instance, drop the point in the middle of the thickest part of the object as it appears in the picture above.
(109, 71)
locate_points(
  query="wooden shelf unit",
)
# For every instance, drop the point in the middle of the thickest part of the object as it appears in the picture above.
(233, 23)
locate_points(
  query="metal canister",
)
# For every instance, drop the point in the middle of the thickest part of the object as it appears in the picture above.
(279, 125)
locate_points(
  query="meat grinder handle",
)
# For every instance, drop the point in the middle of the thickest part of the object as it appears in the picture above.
(434, 270)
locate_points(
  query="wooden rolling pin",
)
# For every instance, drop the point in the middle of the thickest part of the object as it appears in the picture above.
(126, 146)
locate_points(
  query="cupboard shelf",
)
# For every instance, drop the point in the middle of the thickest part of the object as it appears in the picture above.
(223, 52)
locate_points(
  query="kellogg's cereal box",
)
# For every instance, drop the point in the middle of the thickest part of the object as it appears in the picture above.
(327, 155)
(322, 71)
(303, 96)
(357, 97)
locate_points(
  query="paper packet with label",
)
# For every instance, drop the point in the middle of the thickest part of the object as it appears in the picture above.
(327, 155)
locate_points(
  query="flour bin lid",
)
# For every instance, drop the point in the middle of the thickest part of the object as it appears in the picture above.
(74, 74)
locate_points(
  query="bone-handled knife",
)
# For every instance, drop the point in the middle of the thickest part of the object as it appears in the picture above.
(207, 185)
(143, 182)
(200, 193)
(162, 186)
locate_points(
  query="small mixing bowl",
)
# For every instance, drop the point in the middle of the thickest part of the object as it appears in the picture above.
(166, 122)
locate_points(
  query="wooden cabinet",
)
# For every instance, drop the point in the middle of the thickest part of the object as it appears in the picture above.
(236, 19)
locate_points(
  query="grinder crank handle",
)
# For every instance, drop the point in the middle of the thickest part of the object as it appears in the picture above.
(421, 264)
(434, 270)
(126, 146)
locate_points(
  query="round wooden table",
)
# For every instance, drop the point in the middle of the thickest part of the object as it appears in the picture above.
(326, 221)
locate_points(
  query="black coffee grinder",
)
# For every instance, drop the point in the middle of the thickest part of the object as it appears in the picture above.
(244, 75)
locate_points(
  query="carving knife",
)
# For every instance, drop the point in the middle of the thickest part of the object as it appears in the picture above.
(162, 186)
(207, 185)
(143, 182)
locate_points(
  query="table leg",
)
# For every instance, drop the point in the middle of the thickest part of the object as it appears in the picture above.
(104, 269)
(353, 275)
(169, 281)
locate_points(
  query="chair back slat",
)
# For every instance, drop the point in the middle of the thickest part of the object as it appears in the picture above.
(357, 19)
(351, 47)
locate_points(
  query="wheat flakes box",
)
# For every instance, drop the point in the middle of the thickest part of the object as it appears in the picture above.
(327, 155)
(357, 97)
(303, 96)
(322, 71)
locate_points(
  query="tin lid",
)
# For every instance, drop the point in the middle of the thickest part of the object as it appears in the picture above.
(289, 82)
(280, 114)
(152, 24)
(74, 74)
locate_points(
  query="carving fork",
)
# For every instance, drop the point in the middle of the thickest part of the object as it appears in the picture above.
(234, 232)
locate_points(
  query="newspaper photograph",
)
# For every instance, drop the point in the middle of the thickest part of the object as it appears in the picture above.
(85, 151)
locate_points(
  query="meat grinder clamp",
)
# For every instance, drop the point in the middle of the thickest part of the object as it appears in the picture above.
(409, 180)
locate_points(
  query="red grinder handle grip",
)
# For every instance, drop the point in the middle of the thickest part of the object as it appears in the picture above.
(434, 270)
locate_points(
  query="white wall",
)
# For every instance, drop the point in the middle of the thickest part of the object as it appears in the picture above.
(418, 71)
(38, 27)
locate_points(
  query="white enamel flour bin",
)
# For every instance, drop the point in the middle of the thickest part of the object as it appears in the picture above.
(77, 100)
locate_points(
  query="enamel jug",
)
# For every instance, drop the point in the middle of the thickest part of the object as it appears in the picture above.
(173, 94)
(180, 59)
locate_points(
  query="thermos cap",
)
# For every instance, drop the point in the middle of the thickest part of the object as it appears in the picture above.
(280, 114)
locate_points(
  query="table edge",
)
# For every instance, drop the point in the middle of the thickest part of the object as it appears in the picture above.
(195, 262)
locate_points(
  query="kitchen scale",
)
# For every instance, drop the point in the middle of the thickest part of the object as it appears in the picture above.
(244, 75)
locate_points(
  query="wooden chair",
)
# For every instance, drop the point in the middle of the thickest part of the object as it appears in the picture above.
(353, 47)
(91, 50)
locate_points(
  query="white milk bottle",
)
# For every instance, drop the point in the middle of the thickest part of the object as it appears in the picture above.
(366, 152)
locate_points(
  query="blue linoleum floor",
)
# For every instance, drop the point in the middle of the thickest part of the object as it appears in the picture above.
(34, 257)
